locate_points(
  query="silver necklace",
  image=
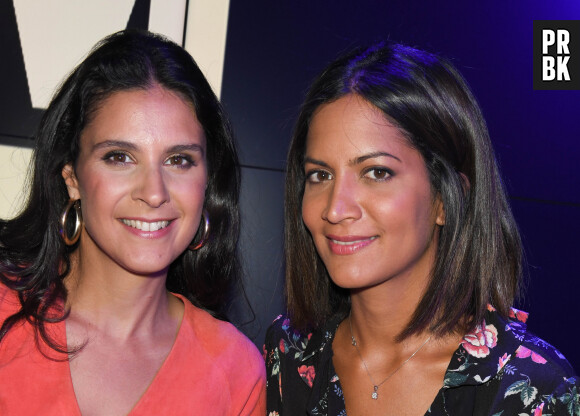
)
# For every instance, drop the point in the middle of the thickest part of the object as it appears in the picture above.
(375, 394)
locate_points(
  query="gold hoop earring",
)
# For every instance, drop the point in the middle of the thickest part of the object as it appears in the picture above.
(205, 235)
(76, 204)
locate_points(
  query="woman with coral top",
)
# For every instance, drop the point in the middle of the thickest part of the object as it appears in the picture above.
(114, 275)
(403, 257)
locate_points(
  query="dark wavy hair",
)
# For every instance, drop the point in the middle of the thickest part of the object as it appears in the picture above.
(33, 257)
(479, 255)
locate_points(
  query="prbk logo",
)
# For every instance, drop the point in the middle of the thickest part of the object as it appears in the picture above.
(557, 54)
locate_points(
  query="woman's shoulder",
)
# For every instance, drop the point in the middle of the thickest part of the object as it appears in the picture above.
(537, 375)
(530, 373)
(508, 343)
(220, 339)
(534, 352)
(546, 359)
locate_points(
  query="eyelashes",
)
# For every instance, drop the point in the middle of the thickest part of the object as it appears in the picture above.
(318, 176)
(121, 158)
(182, 161)
(117, 158)
(375, 174)
(378, 174)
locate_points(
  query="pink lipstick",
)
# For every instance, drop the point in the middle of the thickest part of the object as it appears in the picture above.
(346, 245)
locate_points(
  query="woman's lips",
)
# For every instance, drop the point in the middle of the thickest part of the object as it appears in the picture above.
(147, 229)
(348, 244)
(145, 225)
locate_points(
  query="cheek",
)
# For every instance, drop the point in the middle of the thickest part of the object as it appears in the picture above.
(421, 217)
(192, 196)
(188, 196)
(309, 210)
(100, 188)
(188, 187)
(90, 182)
(406, 210)
(99, 202)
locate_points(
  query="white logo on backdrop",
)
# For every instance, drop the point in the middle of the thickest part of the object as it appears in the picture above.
(56, 34)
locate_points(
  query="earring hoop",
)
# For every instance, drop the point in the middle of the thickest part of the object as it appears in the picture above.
(76, 204)
(205, 235)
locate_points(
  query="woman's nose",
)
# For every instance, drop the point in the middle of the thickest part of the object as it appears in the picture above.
(151, 187)
(342, 201)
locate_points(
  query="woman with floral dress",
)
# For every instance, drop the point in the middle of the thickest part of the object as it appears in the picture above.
(403, 257)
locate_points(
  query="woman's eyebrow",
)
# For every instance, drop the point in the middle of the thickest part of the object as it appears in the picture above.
(193, 147)
(372, 155)
(356, 161)
(315, 162)
(115, 143)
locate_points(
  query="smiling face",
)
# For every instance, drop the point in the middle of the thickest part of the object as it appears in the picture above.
(367, 201)
(141, 176)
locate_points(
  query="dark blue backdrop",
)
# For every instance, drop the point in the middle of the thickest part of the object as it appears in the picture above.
(274, 49)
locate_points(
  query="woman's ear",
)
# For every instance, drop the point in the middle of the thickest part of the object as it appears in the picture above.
(440, 211)
(70, 179)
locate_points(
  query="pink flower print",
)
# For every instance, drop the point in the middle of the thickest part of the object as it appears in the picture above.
(519, 315)
(282, 346)
(490, 308)
(538, 410)
(307, 374)
(502, 361)
(479, 341)
(523, 352)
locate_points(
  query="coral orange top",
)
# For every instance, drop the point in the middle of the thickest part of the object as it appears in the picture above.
(212, 369)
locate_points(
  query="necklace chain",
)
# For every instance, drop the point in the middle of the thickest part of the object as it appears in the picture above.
(375, 394)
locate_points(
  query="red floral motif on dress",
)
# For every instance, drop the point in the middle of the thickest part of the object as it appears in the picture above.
(523, 352)
(479, 341)
(519, 315)
(307, 373)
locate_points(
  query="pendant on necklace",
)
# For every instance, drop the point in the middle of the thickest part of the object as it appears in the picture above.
(375, 395)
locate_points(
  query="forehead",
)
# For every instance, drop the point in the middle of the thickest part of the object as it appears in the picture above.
(149, 96)
(155, 114)
(351, 122)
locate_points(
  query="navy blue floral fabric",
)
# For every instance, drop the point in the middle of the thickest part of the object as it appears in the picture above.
(498, 369)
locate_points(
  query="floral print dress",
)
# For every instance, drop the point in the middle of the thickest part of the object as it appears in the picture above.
(498, 369)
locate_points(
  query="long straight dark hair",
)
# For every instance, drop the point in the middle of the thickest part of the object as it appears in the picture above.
(33, 257)
(479, 254)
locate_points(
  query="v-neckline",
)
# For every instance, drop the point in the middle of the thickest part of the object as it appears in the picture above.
(62, 335)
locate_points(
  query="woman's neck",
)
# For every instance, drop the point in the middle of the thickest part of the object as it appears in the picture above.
(379, 314)
(117, 301)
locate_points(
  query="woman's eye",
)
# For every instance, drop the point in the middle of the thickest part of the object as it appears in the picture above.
(318, 176)
(378, 174)
(117, 158)
(179, 160)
